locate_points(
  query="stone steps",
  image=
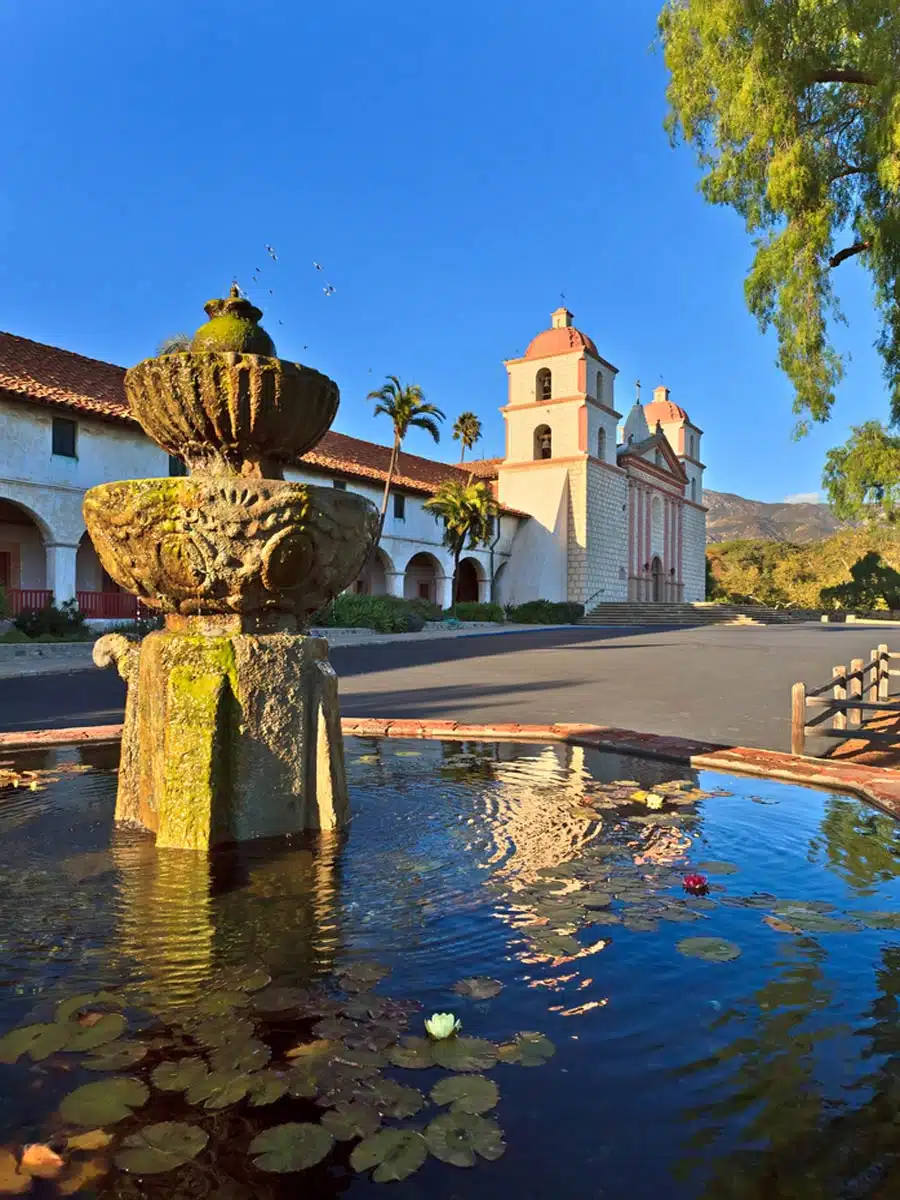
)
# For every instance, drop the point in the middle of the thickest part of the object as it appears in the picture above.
(630, 613)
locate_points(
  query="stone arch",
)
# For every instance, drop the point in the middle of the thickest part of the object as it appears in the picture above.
(498, 590)
(543, 384)
(423, 578)
(601, 444)
(656, 579)
(471, 579)
(694, 490)
(373, 580)
(543, 442)
(23, 547)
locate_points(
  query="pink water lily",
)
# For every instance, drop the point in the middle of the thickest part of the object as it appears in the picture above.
(697, 885)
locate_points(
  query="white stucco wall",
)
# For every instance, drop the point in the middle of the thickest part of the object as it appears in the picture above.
(26, 551)
(563, 370)
(693, 556)
(536, 568)
(562, 419)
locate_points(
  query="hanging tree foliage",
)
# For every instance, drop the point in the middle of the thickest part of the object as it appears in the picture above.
(793, 107)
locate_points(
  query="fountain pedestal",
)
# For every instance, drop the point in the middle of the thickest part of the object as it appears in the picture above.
(232, 729)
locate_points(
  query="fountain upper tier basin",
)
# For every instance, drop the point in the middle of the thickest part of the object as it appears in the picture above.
(220, 544)
(245, 413)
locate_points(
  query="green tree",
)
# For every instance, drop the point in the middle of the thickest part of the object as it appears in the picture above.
(468, 511)
(466, 429)
(873, 584)
(407, 409)
(793, 107)
(862, 477)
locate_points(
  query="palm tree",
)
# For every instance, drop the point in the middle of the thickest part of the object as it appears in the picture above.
(468, 511)
(408, 409)
(175, 343)
(466, 429)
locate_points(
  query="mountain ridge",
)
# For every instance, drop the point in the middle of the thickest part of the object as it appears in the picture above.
(733, 517)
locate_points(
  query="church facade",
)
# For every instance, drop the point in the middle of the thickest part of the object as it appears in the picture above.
(592, 510)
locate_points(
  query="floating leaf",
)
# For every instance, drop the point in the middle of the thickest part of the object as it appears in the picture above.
(466, 1093)
(780, 926)
(413, 1053)
(528, 1050)
(250, 1055)
(220, 1002)
(787, 907)
(556, 945)
(710, 949)
(66, 1009)
(479, 987)
(115, 1057)
(96, 1139)
(456, 1138)
(360, 1056)
(813, 922)
(265, 1088)
(394, 1153)
(40, 1162)
(179, 1076)
(366, 973)
(109, 1027)
(875, 920)
(291, 1147)
(394, 1099)
(465, 1054)
(222, 1031)
(104, 1102)
(245, 979)
(301, 1082)
(276, 999)
(218, 1089)
(714, 867)
(321, 1048)
(595, 899)
(349, 1121)
(38, 1041)
(12, 1183)
(162, 1147)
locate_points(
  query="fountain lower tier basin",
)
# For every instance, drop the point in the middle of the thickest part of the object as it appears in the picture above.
(738, 1041)
(229, 736)
(208, 544)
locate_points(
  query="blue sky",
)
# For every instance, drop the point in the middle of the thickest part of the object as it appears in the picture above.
(454, 168)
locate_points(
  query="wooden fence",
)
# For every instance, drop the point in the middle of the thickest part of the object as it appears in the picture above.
(848, 701)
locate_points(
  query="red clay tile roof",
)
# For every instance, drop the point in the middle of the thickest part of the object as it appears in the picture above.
(560, 341)
(42, 374)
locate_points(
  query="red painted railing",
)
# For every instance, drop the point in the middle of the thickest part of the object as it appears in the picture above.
(108, 606)
(19, 600)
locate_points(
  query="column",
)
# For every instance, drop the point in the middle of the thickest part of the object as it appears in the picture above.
(631, 549)
(61, 570)
(393, 581)
(648, 543)
(443, 588)
(668, 579)
(680, 550)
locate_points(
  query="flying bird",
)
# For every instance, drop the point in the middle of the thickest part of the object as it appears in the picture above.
(270, 250)
(318, 266)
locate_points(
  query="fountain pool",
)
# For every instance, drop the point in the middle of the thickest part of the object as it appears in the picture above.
(740, 1040)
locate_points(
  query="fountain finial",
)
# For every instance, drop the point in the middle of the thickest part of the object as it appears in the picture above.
(233, 327)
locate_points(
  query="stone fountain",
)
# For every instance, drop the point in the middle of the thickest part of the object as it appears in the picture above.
(232, 729)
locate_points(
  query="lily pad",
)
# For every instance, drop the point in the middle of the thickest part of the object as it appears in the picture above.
(874, 920)
(413, 1053)
(250, 1055)
(276, 999)
(291, 1147)
(218, 1003)
(780, 926)
(245, 979)
(788, 907)
(115, 1057)
(592, 900)
(95, 1139)
(479, 987)
(556, 945)
(218, 1089)
(179, 1076)
(162, 1147)
(104, 1102)
(222, 1031)
(710, 949)
(302, 1083)
(813, 922)
(394, 1099)
(88, 1037)
(394, 1153)
(466, 1093)
(715, 867)
(265, 1088)
(365, 973)
(12, 1182)
(456, 1138)
(66, 1009)
(527, 1050)
(37, 1041)
(354, 1120)
(465, 1054)
(360, 1056)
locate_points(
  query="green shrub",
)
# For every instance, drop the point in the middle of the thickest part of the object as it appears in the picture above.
(545, 612)
(426, 609)
(14, 635)
(474, 610)
(65, 621)
(385, 614)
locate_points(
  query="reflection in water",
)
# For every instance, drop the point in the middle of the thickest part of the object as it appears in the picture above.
(860, 843)
(185, 918)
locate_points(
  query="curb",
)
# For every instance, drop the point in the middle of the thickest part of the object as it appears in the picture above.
(878, 785)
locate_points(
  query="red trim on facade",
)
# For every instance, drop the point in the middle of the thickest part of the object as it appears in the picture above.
(583, 428)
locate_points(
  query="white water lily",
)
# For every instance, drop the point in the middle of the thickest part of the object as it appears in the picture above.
(442, 1025)
(654, 801)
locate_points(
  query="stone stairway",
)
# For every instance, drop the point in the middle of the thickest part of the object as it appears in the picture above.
(631, 613)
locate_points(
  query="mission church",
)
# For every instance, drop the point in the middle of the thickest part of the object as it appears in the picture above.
(591, 510)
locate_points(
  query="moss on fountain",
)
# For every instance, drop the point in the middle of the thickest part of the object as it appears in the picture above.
(233, 327)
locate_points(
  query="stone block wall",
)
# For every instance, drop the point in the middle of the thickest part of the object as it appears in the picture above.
(598, 534)
(693, 553)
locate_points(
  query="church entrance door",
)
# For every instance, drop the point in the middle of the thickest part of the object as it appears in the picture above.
(656, 576)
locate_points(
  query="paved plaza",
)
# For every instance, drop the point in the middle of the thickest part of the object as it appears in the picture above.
(724, 684)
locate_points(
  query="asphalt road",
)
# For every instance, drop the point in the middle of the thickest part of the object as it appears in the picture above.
(724, 684)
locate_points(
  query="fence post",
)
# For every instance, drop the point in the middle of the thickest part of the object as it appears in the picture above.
(884, 672)
(874, 677)
(857, 666)
(839, 675)
(798, 718)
